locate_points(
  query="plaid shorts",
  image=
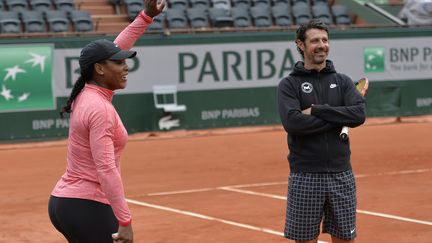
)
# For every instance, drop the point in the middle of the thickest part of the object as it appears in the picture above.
(313, 197)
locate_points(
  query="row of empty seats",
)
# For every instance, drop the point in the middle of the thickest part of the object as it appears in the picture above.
(181, 14)
(32, 16)
(32, 21)
(242, 15)
(39, 5)
(227, 4)
(38, 16)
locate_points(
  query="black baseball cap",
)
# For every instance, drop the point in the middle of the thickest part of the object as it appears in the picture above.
(100, 50)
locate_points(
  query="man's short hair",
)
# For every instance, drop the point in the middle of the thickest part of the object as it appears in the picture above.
(312, 24)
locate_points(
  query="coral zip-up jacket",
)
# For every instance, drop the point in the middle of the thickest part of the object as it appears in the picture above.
(97, 138)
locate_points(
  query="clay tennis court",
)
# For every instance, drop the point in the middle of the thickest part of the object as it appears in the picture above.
(229, 185)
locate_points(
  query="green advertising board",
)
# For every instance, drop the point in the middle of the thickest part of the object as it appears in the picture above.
(26, 78)
(374, 59)
(219, 79)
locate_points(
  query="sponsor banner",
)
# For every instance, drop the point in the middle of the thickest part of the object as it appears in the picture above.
(385, 59)
(26, 82)
(253, 65)
(230, 107)
(217, 85)
(194, 67)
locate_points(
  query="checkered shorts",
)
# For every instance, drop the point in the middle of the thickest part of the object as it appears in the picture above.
(313, 197)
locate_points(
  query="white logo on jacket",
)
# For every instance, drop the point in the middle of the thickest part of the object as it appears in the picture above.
(332, 86)
(306, 87)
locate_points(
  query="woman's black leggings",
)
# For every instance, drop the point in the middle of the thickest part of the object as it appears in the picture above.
(81, 220)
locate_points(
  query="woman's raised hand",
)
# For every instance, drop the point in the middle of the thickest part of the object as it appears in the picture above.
(153, 8)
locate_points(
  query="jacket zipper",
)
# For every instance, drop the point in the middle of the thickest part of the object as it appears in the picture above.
(321, 95)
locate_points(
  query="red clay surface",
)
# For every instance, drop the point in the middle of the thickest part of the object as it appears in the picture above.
(189, 182)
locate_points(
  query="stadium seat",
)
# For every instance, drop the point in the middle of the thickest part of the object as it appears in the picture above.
(224, 4)
(81, 20)
(320, 2)
(179, 4)
(200, 4)
(341, 15)
(242, 3)
(322, 12)
(65, 5)
(282, 14)
(261, 16)
(294, 2)
(241, 16)
(9, 22)
(176, 18)
(301, 12)
(33, 21)
(158, 23)
(261, 2)
(17, 5)
(41, 5)
(198, 17)
(220, 17)
(276, 2)
(133, 7)
(57, 20)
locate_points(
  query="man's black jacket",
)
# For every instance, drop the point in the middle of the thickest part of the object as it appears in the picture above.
(313, 140)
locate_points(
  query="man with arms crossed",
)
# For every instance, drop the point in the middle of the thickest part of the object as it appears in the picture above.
(315, 102)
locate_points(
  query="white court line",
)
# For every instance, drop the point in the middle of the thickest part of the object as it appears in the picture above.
(394, 217)
(202, 216)
(211, 189)
(253, 193)
(389, 216)
(277, 183)
(402, 172)
(180, 192)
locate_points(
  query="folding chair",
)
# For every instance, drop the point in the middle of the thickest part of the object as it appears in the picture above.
(165, 97)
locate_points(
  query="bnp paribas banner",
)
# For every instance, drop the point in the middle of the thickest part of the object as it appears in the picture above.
(26, 78)
(262, 64)
(235, 80)
(385, 59)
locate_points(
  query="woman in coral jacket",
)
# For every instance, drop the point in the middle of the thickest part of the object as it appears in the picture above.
(88, 204)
